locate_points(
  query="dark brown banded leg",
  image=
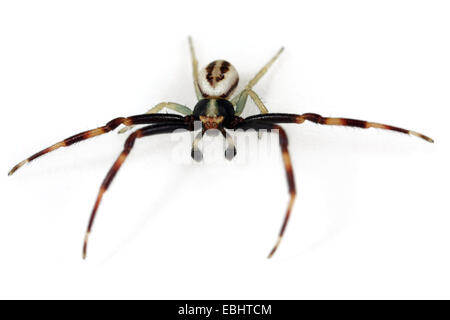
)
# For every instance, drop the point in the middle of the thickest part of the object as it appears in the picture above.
(111, 125)
(313, 117)
(230, 151)
(129, 143)
(287, 165)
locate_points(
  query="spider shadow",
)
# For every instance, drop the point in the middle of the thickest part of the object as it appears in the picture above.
(154, 207)
(359, 147)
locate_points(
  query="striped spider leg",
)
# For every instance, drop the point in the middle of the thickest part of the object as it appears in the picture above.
(129, 143)
(267, 125)
(111, 125)
(161, 123)
(214, 110)
(269, 120)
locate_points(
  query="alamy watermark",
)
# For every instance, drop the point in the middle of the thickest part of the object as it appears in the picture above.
(250, 145)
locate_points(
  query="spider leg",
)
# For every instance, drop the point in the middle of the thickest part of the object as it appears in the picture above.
(129, 143)
(111, 125)
(169, 105)
(287, 165)
(241, 98)
(242, 101)
(194, 69)
(196, 153)
(295, 118)
(261, 72)
(230, 151)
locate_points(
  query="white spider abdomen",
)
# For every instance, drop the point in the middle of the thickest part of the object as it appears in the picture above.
(218, 79)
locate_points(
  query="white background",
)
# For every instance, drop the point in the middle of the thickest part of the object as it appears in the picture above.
(372, 214)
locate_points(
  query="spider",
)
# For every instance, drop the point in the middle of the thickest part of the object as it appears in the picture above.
(216, 109)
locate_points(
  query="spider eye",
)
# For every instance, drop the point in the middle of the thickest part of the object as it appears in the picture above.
(218, 79)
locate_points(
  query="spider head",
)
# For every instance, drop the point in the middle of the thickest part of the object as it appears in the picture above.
(214, 113)
(218, 80)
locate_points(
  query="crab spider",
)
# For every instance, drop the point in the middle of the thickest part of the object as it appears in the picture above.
(216, 109)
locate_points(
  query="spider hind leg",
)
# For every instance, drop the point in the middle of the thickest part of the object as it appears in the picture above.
(129, 143)
(258, 125)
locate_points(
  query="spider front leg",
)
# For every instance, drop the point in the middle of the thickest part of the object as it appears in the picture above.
(316, 118)
(230, 151)
(196, 153)
(240, 99)
(129, 143)
(139, 119)
(257, 125)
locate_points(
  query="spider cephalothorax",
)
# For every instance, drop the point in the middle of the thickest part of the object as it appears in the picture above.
(214, 113)
(213, 87)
